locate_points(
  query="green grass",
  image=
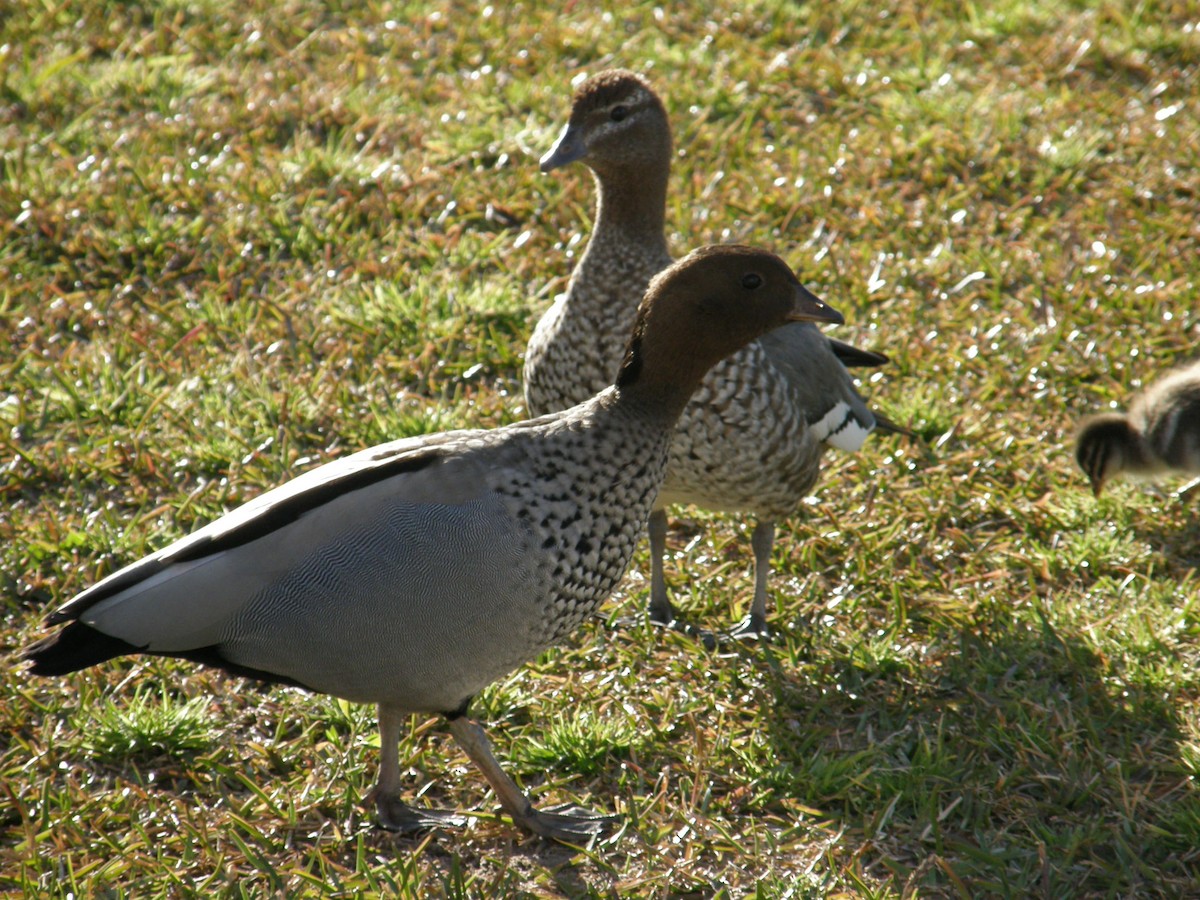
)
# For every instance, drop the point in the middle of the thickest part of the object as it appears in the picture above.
(147, 725)
(239, 240)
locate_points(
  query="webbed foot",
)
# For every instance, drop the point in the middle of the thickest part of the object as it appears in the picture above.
(751, 628)
(396, 815)
(566, 823)
(674, 623)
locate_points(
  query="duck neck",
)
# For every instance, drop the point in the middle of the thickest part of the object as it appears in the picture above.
(657, 407)
(631, 211)
(656, 386)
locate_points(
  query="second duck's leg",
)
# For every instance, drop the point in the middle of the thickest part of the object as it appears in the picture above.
(661, 611)
(394, 814)
(570, 825)
(762, 540)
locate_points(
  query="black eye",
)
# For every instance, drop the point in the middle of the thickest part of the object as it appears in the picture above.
(618, 113)
(751, 280)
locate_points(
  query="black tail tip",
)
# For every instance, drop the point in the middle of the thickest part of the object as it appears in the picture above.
(70, 649)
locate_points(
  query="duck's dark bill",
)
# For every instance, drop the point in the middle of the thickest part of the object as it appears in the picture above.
(810, 308)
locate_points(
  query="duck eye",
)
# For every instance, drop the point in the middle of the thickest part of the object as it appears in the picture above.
(751, 280)
(618, 113)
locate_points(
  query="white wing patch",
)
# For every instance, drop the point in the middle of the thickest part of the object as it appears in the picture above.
(841, 428)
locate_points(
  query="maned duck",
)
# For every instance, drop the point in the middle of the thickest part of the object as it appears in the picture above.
(1160, 432)
(753, 436)
(413, 574)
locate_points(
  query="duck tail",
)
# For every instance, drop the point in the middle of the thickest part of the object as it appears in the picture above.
(855, 357)
(75, 647)
(888, 426)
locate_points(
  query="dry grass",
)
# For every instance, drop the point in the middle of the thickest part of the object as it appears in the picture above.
(237, 240)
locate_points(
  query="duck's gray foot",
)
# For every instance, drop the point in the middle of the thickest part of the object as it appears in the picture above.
(661, 614)
(751, 628)
(663, 617)
(674, 623)
(396, 815)
(392, 812)
(566, 823)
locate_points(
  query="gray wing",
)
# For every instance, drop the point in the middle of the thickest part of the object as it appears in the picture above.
(212, 548)
(823, 388)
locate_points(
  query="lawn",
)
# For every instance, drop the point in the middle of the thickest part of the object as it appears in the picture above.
(240, 239)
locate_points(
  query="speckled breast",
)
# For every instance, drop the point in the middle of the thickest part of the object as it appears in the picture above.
(742, 444)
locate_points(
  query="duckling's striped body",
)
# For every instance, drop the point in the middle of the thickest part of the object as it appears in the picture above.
(1160, 432)
(415, 573)
(754, 434)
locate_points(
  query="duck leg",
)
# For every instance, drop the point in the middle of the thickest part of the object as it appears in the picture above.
(394, 814)
(568, 824)
(761, 541)
(661, 611)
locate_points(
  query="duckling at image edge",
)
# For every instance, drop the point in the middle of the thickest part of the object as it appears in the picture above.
(754, 434)
(413, 574)
(1159, 433)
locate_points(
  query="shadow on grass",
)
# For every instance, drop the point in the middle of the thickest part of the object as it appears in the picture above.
(1018, 763)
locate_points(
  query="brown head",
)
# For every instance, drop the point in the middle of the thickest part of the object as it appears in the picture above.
(1106, 446)
(617, 124)
(705, 307)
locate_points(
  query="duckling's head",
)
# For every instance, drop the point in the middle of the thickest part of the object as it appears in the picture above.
(1106, 446)
(707, 306)
(617, 123)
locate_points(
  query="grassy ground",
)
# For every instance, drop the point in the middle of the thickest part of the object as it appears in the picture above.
(239, 239)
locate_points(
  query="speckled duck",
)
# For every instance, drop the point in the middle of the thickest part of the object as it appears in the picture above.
(754, 434)
(413, 574)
